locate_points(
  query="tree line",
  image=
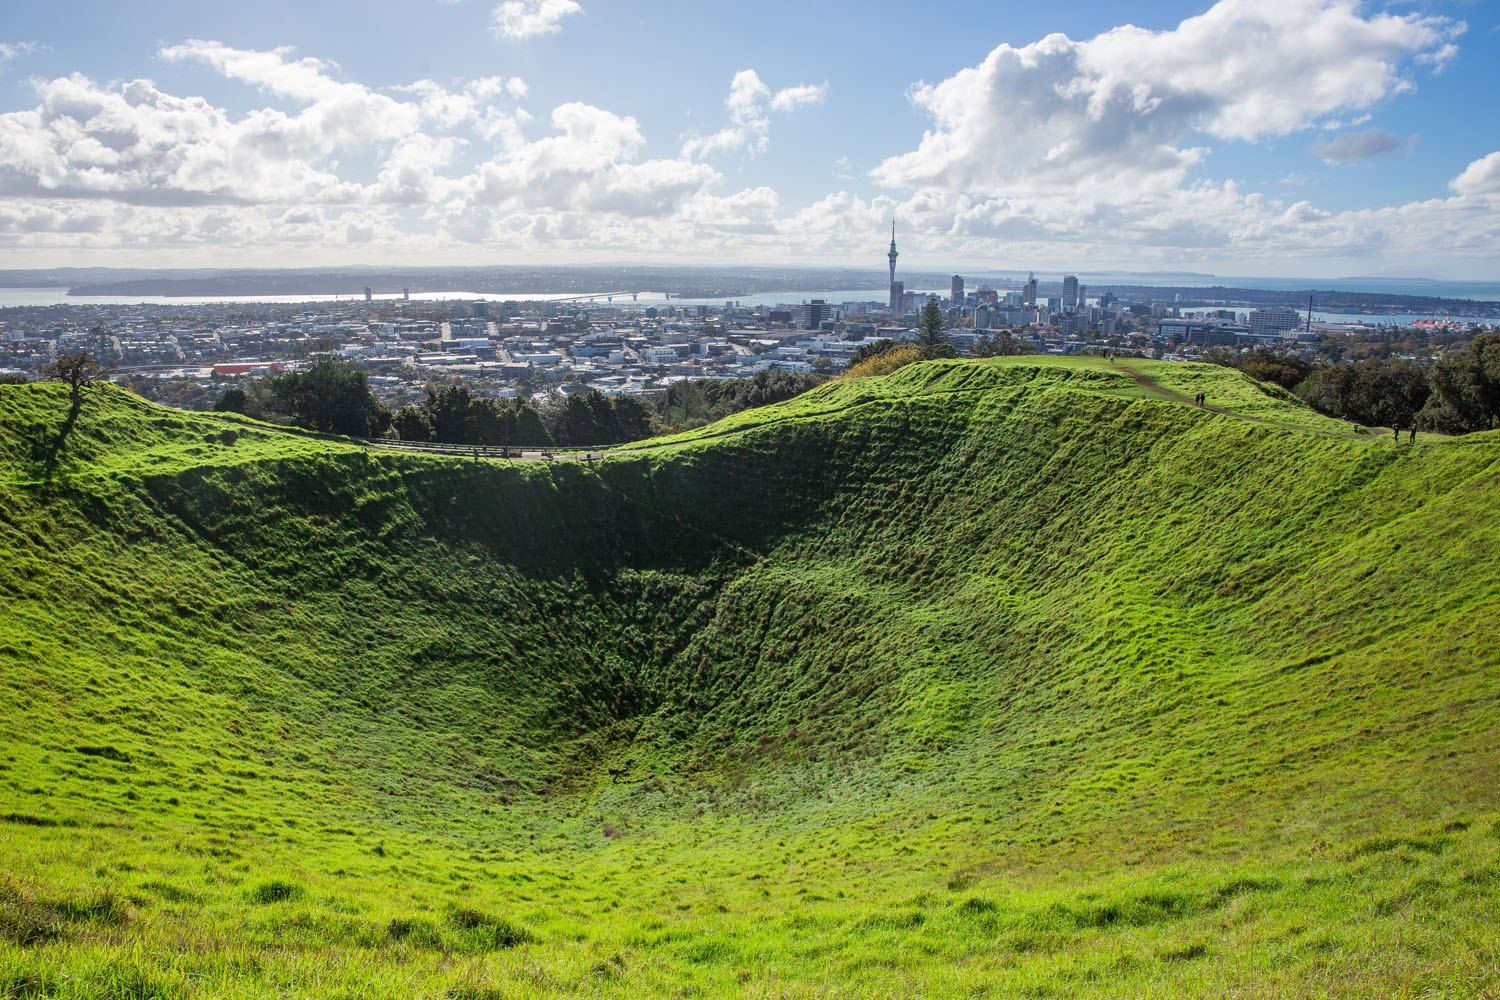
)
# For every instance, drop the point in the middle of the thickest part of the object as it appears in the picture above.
(333, 396)
(1456, 394)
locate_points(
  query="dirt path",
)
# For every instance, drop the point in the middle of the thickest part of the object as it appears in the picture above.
(1151, 385)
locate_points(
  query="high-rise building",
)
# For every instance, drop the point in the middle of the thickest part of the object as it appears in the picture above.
(958, 290)
(1028, 291)
(1277, 320)
(1070, 291)
(369, 295)
(814, 313)
(898, 296)
(891, 256)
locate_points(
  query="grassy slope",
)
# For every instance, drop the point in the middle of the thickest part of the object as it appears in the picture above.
(1013, 676)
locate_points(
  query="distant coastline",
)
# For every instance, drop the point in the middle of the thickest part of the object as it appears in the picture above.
(99, 286)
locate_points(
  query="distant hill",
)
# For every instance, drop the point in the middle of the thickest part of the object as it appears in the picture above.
(1015, 677)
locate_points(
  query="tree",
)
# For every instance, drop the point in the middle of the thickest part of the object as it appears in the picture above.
(1466, 387)
(76, 371)
(411, 424)
(930, 335)
(1002, 344)
(1264, 364)
(529, 428)
(1384, 393)
(449, 413)
(695, 402)
(585, 418)
(330, 395)
(633, 419)
(237, 400)
(1392, 392)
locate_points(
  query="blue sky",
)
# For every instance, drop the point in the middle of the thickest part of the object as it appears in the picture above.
(1314, 137)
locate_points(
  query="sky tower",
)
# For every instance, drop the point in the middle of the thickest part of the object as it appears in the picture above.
(893, 254)
(895, 293)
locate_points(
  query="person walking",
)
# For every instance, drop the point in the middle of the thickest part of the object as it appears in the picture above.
(1413, 439)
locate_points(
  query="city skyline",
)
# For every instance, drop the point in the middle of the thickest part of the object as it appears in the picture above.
(1297, 138)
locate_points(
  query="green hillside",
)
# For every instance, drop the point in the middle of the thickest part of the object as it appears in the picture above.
(1022, 677)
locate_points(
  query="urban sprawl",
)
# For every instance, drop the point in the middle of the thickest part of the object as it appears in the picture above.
(611, 343)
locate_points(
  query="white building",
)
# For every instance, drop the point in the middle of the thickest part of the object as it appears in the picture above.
(1265, 322)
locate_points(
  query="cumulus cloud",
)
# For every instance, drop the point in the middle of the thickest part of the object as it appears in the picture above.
(338, 113)
(1096, 149)
(1050, 154)
(442, 151)
(750, 103)
(1349, 147)
(134, 143)
(590, 165)
(1127, 112)
(1482, 177)
(521, 19)
(486, 105)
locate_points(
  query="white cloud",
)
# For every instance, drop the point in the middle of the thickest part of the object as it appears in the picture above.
(1091, 150)
(750, 103)
(1125, 113)
(520, 19)
(10, 51)
(486, 105)
(337, 113)
(591, 165)
(1482, 177)
(130, 165)
(1058, 153)
(800, 96)
(136, 144)
(1370, 144)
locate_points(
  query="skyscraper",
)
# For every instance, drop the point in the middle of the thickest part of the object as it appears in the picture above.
(895, 295)
(1028, 291)
(958, 290)
(1070, 292)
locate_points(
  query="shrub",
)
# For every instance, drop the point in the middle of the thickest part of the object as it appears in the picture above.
(275, 891)
(487, 931)
(884, 363)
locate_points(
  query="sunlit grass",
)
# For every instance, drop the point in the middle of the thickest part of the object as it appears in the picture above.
(1009, 678)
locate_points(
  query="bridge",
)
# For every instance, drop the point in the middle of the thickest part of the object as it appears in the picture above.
(594, 297)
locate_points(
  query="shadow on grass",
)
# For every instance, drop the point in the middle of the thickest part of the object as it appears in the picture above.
(47, 451)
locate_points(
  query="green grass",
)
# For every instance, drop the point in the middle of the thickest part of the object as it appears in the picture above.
(1021, 677)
